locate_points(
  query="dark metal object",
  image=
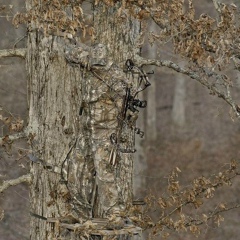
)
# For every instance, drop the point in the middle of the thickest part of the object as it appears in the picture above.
(142, 78)
(129, 103)
(115, 137)
(129, 64)
(133, 103)
(38, 216)
(95, 57)
(83, 104)
(139, 202)
(138, 131)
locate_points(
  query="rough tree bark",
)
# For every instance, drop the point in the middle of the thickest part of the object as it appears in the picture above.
(72, 178)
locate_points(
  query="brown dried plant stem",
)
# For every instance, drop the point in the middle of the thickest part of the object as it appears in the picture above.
(13, 182)
(211, 215)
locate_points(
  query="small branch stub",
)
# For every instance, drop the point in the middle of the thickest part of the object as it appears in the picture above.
(20, 52)
(98, 226)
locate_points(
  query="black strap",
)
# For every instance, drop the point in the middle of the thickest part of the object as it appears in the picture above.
(38, 216)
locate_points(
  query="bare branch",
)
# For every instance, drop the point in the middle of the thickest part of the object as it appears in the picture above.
(165, 63)
(13, 182)
(211, 215)
(216, 5)
(19, 52)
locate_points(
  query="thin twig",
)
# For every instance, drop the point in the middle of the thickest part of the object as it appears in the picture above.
(19, 40)
(211, 215)
(19, 52)
(13, 182)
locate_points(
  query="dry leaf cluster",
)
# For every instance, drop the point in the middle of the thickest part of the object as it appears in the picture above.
(54, 16)
(208, 44)
(207, 41)
(13, 124)
(174, 206)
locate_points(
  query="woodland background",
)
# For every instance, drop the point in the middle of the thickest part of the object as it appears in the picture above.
(194, 132)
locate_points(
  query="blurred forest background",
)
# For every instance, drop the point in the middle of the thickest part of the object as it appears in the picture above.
(184, 127)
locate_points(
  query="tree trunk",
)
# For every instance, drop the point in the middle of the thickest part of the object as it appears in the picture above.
(140, 163)
(178, 112)
(152, 95)
(73, 180)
